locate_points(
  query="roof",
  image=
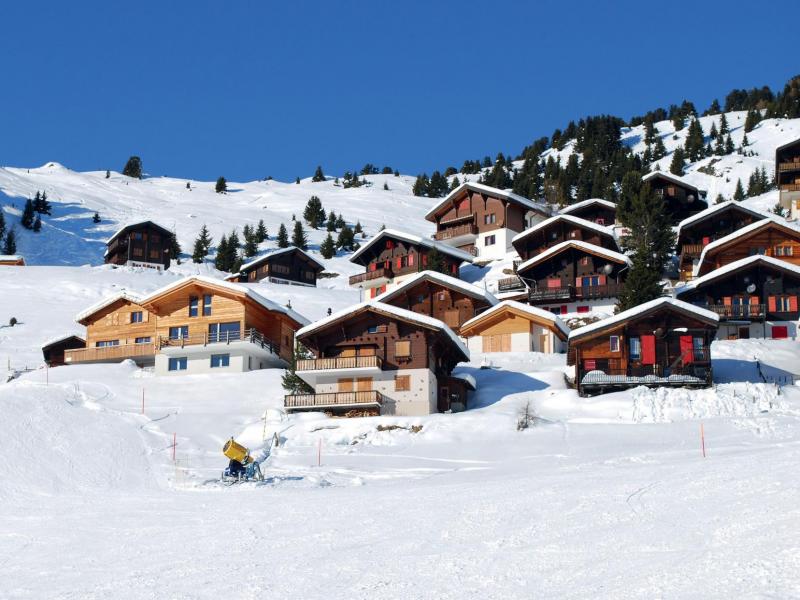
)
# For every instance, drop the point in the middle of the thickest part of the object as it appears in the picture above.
(466, 378)
(578, 245)
(558, 325)
(276, 252)
(715, 208)
(651, 306)
(108, 301)
(129, 226)
(737, 265)
(746, 230)
(248, 291)
(443, 280)
(414, 239)
(787, 144)
(486, 189)
(589, 202)
(11, 257)
(62, 338)
(670, 177)
(577, 221)
(389, 310)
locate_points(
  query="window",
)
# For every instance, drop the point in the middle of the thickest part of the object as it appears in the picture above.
(583, 309)
(635, 348)
(192, 306)
(421, 298)
(402, 349)
(783, 251)
(442, 296)
(489, 240)
(155, 254)
(584, 261)
(138, 235)
(308, 275)
(490, 219)
(613, 343)
(372, 329)
(179, 332)
(138, 252)
(106, 343)
(698, 349)
(178, 363)
(143, 340)
(402, 383)
(207, 305)
(155, 238)
(220, 360)
(136, 316)
(574, 234)
(553, 283)
(224, 332)
(281, 269)
(754, 251)
(592, 281)
(589, 364)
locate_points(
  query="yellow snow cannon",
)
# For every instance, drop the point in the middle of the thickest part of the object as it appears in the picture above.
(242, 466)
(235, 451)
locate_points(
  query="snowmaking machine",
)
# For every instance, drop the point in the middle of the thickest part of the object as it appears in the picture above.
(242, 466)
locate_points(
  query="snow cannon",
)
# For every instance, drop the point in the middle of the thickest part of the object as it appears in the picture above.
(242, 466)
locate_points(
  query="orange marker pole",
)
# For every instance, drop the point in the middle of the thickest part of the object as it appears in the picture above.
(703, 440)
(174, 445)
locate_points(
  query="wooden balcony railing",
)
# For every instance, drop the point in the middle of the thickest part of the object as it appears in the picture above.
(738, 311)
(339, 362)
(609, 290)
(570, 292)
(790, 187)
(252, 336)
(370, 275)
(109, 353)
(788, 166)
(559, 293)
(370, 397)
(692, 249)
(457, 231)
(510, 284)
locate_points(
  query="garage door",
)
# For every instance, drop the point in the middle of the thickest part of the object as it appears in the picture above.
(497, 343)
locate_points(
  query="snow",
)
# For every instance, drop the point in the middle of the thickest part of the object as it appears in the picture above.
(479, 187)
(578, 244)
(577, 221)
(413, 239)
(62, 337)
(524, 308)
(277, 252)
(716, 208)
(10, 257)
(442, 279)
(669, 177)
(584, 203)
(742, 263)
(108, 301)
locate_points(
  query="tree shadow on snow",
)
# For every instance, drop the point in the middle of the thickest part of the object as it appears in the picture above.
(730, 370)
(495, 384)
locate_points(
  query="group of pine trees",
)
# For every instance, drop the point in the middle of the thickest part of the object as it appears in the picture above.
(8, 238)
(34, 209)
(314, 214)
(231, 251)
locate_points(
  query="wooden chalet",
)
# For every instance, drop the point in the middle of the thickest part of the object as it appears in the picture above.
(54, 350)
(481, 220)
(393, 256)
(145, 244)
(787, 177)
(440, 296)
(767, 237)
(511, 326)
(681, 198)
(374, 358)
(11, 260)
(664, 342)
(290, 265)
(574, 277)
(716, 222)
(756, 296)
(596, 210)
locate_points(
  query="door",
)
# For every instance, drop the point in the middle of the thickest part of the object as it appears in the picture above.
(500, 342)
(451, 318)
(648, 349)
(347, 352)
(544, 343)
(364, 384)
(345, 385)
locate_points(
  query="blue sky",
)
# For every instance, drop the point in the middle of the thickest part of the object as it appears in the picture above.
(247, 89)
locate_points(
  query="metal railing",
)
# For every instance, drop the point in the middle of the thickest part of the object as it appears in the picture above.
(252, 336)
(559, 293)
(340, 362)
(738, 311)
(107, 353)
(458, 230)
(510, 284)
(333, 399)
(370, 275)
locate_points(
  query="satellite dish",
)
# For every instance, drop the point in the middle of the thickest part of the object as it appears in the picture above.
(751, 288)
(690, 198)
(607, 269)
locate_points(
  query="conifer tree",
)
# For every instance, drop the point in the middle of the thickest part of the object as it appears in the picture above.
(222, 254)
(250, 244)
(436, 262)
(290, 380)
(729, 145)
(37, 223)
(283, 237)
(10, 244)
(752, 119)
(745, 141)
(108, 174)
(358, 228)
(133, 168)
(27, 215)
(714, 108)
(2, 223)
(297, 181)
(221, 186)
(713, 133)
(174, 247)
(44, 205)
(420, 187)
(37, 201)
(340, 222)
(313, 213)
(96, 218)
(738, 195)
(385, 186)
(299, 238)
(695, 145)
(676, 166)
(200, 250)
(261, 232)
(327, 248)
(723, 126)
(331, 223)
(454, 183)
(659, 150)
(318, 176)
(346, 239)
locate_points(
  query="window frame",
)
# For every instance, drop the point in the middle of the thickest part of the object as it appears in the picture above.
(194, 307)
(178, 363)
(207, 300)
(613, 343)
(402, 383)
(398, 344)
(223, 360)
(137, 316)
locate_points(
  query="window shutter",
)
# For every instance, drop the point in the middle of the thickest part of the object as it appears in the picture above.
(424, 260)
(410, 260)
(706, 241)
(578, 281)
(687, 350)
(589, 364)
(792, 303)
(755, 300)
(726, 301)
(648, 349)
(771, 304)
(601, 280)
(398, 262)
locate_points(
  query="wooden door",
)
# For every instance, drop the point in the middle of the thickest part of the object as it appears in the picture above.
(544, 342)
(345, 385)
(451, 318)
(364, 384)
(500, 342)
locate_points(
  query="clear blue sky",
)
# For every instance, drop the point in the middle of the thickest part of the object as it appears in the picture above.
(247, 89)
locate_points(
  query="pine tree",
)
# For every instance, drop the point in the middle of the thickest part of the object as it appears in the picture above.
(454, 183)
(44, 205)
(37, 223)
(346, 239)
(738, 195)
(752, 119)
(713, 133)
(27, 215)
(385, 186)
(676, 166)
(723, 126)
(297, 181)
(714, 108)
(174, 247)
(200, 250)
(37, 202)
(358, 228)
(745, 141)
(250, 243)
(283, 237)
(10, 244)
(222, 254)
(729, 145)
(420, 187)
(108, 174)
(313, 213)
(2, 223)
(291, 381)
(261, 232)
(188, 185)
(331, 223)
(659, 150)
(695, 144)
(221, 186)
(318, 176)
(327, 248)
(96, 218)
(299, 238)
(436, 262)
(340, 222)
(133, 168)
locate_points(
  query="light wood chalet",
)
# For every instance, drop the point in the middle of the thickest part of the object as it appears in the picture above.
(596, 210)
(787, 177)
(716, 222)
(768, 237)
(53, 350)
(681, 198)
(284, 265)
(664, 342)
(145, 244)
(393, 256)
(511, 326)
(481, 220)
(11, 260)
(440, 296)
(756, 296)
(374, 358)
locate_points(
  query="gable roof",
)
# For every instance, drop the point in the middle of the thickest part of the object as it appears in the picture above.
(577, 221)
(643, 309)
(130, 226)
(277, 252)
(63, 338)
(443, 280)
(670, 177)
(787, 145)
(737, 265)
(486, 189)
(388, 310)
(106, 302)
(717, 208)
(11, 257)
(536, 314)
(578, 245)
(413, 239)
(584, 203)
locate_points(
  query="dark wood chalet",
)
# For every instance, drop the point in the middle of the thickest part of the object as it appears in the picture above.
(440, 296)
(53, 351)
(144, 244)
(285, 265)
(393, 256)
(787, 176)
(767, 237)
(755, 296)
(596, 210)
(481, 219)
(698, 231)
(379, 359)
(664, 342)
(572, 271)
(562, 228)
(682, 199)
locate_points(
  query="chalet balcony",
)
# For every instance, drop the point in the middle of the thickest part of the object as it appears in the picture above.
(566, 293)
(361, 402)
(374, 278)
(738, 311)
(142, 354)
(510, 284)
(692, 250)
(679, 375)
(251, 336)
(790, 187)
(610, 290)
(340, 363)
(788, 166)
(457, 233)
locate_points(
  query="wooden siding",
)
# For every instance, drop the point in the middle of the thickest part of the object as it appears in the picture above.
(561, 231)
(596, 213)
(567, 274)
(383, 256)
(766, 239)
(292, 266)
(153, 247)
(477, 205)
(114, 323)
(54, 353)
(676, 197)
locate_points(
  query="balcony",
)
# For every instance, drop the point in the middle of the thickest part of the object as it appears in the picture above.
(457, 235)
(790, 187)
(549, 294)
(376, 277)
(339, 363)
(692, 250)
(679, 375)
(251, 336)
(738, 311)
(362, 402)
(510, 284)
(140, 353)
(788, 166)
(610, 290)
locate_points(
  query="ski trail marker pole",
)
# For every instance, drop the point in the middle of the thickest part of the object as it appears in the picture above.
(702, 440)
(319, 452)
(174, 445)
(142, 400)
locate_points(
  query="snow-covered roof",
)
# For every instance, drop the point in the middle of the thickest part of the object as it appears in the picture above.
(737, 265)
(746, 230)
(413, 239)
(108, 301)
(579, 245)
(577, 221)
(63, 337)
(277, 252)
(442, 279)
(716, 208)
(390, 310)
(625, 315)
(670, 177)
(584, 203)
(486, 189)
(466, 377)
(11, 257)
(136, 224)
(234, 287)
(523, 308)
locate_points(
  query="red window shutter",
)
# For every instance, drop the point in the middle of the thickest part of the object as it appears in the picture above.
(424, 260)
(389, 244)
(771, 304)
(687, 350)
(601, 280)
(398, 262)
(454, 268)
(780, 332)
(792, 303)
(563, 309)
(706, 241)
(648, 349)
(553, 283)
(755, 300)
(373, 266)
(589, 364)
(577, 282)
(383, 288)
(727, 301)
(583, 309)
(410, 260)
